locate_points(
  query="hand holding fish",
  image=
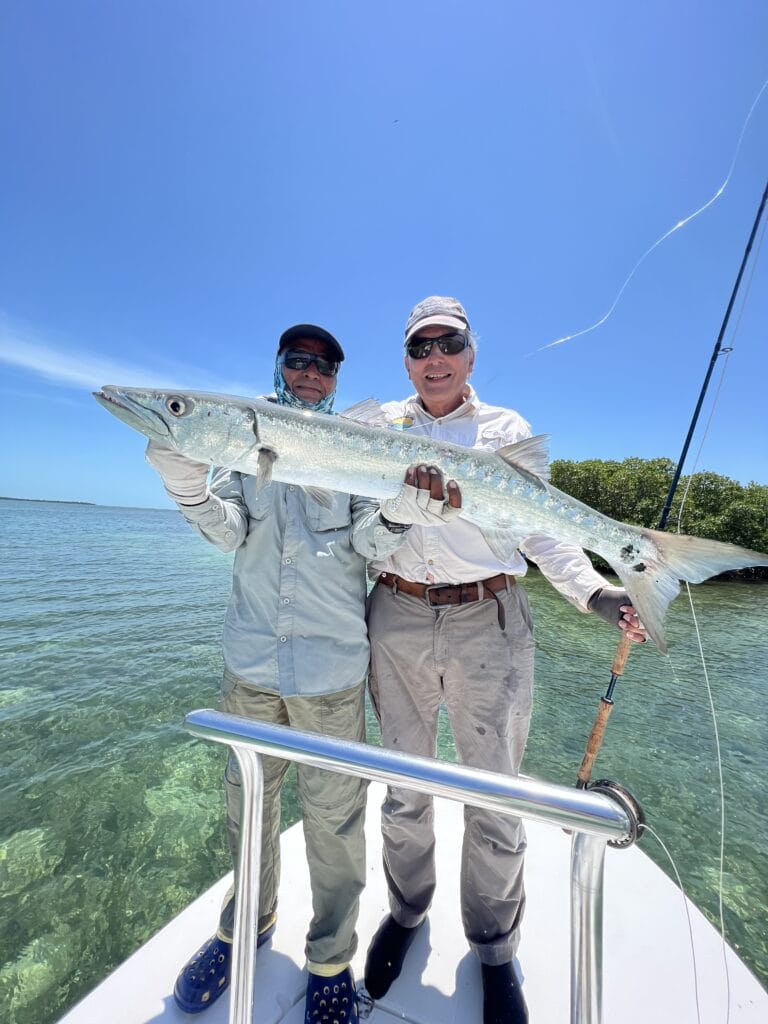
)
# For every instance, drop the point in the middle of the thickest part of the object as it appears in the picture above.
(185, 480)
(424, 499)
(613, 605)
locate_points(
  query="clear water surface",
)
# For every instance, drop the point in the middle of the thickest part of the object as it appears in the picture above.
(111, 817)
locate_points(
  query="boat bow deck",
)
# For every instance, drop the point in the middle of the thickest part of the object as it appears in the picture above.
(648, 967)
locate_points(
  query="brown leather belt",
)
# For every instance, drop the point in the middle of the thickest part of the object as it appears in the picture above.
(438, 594)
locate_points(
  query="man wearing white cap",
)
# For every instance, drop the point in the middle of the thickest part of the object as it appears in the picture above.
(447, 624)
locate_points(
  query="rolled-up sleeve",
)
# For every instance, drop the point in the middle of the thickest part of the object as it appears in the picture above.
(567, 568)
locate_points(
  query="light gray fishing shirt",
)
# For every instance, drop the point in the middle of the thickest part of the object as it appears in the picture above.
(295, 621)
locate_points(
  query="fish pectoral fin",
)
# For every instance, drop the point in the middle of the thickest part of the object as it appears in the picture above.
(501, 542)
(369, 411)
(264, 468)
(323, 498)
(530, 455)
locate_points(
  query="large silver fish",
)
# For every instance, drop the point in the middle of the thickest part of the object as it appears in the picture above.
(505, 493)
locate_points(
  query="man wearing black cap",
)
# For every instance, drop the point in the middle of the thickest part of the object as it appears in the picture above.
(448, 625)
(295, 653)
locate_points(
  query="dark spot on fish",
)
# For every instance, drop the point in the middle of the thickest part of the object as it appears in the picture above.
(640, 567)
(481, 730)
(482, 664)
(627, 552)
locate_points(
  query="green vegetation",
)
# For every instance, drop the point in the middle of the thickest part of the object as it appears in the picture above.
(634, 491)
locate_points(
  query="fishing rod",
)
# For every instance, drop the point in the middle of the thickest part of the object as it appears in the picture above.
(605, 706)
(715, 353)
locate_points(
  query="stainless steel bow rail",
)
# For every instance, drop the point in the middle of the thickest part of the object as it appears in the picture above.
(593, 817)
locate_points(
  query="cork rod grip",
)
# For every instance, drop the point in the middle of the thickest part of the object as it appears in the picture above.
(621, 655)
(594, 742)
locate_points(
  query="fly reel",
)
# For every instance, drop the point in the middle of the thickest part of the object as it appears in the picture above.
(629, 805)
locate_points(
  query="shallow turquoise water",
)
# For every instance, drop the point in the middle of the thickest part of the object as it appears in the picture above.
(111, 818)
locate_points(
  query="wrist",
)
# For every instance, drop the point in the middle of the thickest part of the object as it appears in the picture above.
(187, 497)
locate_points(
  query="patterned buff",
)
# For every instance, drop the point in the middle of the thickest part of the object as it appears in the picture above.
(286, 397)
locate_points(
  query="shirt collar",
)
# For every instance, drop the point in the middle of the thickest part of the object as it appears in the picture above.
(467, 407)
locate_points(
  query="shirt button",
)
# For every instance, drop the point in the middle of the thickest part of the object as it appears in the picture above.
(289, 561)
(291, 487)
(430, 562)
(286, 600)
(283, 639)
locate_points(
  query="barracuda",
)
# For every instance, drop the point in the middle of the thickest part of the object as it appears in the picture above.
(505, 493)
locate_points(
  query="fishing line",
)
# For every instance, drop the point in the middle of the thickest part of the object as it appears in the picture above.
(726, 351)
(715, 730)
(721, 784)
(713, 713)
(680, 224)
(662, 844)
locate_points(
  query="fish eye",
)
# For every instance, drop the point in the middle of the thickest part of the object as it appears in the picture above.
(177, 406)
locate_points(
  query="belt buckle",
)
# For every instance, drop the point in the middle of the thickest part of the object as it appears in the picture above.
(435, 586)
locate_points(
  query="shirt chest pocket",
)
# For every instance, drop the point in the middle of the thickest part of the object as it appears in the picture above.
(321, 519)
(259, 502)
(491, 440)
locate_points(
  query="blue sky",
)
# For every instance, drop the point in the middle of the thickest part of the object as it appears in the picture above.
(182, 180)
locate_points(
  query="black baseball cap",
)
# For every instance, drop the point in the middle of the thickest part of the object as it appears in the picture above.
(311, 331)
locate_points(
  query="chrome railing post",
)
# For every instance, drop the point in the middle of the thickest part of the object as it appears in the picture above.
(587, 860)
(247, 885)
(593, 818)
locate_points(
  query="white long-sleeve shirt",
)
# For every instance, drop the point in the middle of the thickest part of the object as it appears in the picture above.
(457, 552)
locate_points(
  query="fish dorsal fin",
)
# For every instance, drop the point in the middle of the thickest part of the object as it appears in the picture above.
(369, 411)
(264, 468)
(530, 455)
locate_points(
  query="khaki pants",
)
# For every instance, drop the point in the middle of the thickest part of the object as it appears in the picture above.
(333, 807)
(423, 657)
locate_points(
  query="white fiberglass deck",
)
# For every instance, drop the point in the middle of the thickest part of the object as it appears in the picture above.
(648, 969)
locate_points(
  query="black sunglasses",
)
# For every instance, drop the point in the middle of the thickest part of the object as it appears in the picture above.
(301, 360)
(449, 345)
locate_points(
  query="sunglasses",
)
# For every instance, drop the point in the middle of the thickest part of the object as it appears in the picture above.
(301, 360)
(449, 345)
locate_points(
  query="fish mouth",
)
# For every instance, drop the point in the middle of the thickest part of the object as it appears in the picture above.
(132, 411)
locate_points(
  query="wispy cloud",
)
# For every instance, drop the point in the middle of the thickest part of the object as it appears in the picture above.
(60, 397)
(20, 347)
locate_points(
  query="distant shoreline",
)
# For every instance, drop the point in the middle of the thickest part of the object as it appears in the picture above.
(48, 501)
(86, 504)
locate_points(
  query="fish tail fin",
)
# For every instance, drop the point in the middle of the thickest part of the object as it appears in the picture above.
(652, 584)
